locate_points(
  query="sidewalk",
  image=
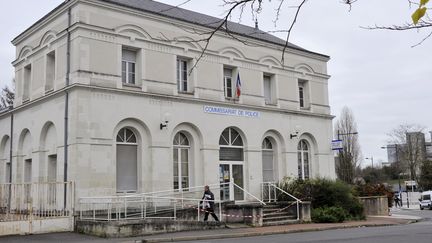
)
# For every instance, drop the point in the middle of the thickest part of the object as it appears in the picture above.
(282, 229)
(414, 206)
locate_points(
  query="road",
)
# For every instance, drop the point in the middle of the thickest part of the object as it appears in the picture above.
(425, 214)
(416, 233)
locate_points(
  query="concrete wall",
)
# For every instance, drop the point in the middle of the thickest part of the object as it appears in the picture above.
(36, 226)
(375, 206)
(132, 228)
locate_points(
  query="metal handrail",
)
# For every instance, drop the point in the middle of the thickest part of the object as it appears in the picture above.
(185, 190)
(298, 201)
(272, 184)
(262, 202)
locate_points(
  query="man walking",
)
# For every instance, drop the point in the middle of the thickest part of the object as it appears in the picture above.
(207, 202)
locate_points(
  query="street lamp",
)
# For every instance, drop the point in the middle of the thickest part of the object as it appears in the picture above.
(371, 159)
(397, 160)
(344, 134)
(398, 168)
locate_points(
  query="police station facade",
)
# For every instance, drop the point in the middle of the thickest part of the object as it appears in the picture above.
(139, 118)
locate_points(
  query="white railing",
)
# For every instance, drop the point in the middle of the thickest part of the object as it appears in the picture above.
(24, 201)
(152, 205)
(270, 192)
(141, 207)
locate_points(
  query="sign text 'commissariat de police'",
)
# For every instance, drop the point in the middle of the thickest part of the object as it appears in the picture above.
(231, 111)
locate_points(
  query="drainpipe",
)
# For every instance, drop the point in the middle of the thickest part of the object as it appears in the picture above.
(11, 142)
(66, 111)
(10, 157)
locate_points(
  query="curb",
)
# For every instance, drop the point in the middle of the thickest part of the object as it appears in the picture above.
(253, 234)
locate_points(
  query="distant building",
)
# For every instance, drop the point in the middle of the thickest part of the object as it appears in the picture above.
(414, 139)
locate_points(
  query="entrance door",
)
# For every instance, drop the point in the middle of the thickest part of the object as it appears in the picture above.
(231, 173)
(127, 167)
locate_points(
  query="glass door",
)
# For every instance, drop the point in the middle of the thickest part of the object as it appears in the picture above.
(237, 172)
(224, 179)
(228, 173)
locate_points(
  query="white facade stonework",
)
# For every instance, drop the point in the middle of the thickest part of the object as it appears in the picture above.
(101, 105)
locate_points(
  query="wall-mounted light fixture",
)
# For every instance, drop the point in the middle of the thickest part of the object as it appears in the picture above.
(296, 132)
(165, 121)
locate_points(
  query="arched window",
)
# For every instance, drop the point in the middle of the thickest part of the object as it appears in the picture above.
(231, 146)
(181, 149)
(126, 136)
(5, 160)
(127, 166)
(268, 160)
(303, 159)
(231, 164)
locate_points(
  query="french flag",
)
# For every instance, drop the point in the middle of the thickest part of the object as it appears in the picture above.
(238, 86)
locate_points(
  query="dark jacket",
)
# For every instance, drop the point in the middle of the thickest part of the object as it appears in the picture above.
(208, 196)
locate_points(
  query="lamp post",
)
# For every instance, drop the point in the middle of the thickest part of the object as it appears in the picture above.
(339, 134)
(398, 169)
(344, 134)
(371, 159)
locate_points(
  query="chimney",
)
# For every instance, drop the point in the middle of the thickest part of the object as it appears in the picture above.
(256, 27)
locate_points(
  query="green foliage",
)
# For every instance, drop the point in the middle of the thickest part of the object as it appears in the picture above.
(374, 175)
(324, 193)
(420, 11)
(328, 215)
(393, 170)
(425, 181)
(370, 190)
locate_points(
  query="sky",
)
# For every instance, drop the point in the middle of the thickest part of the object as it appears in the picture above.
(377, 74)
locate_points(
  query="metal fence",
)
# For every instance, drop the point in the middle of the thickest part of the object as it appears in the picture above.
(138, 207)
(152, 205)
(24, 201)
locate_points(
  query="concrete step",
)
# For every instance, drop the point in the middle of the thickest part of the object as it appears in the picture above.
(282, 222)
(276, 214)
(279, 218)
(271, 206)
(274, 210)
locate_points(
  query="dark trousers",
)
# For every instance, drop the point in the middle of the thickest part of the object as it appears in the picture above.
(210, 211)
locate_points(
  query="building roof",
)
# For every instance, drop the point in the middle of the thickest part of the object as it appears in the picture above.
(178, 13)
(204, 20)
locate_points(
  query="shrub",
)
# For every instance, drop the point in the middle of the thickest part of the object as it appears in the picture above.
(324, 193)
(328, 215)
(370, 190)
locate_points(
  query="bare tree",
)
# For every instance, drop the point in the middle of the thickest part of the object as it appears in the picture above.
(425, 180)
(7, 96)
(411, 147)
(240, 8)
(349, 157)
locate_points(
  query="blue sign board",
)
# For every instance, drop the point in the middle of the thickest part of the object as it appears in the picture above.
(337, 145)
(231, 111)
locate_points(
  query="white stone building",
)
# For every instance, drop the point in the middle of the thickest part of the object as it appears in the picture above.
(115, 74)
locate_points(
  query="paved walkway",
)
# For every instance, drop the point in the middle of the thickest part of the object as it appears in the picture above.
(234, 232)
(282, 229)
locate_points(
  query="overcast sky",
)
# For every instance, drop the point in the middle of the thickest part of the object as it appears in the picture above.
(377, 74)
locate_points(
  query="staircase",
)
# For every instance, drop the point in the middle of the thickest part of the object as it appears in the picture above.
(279, 214)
